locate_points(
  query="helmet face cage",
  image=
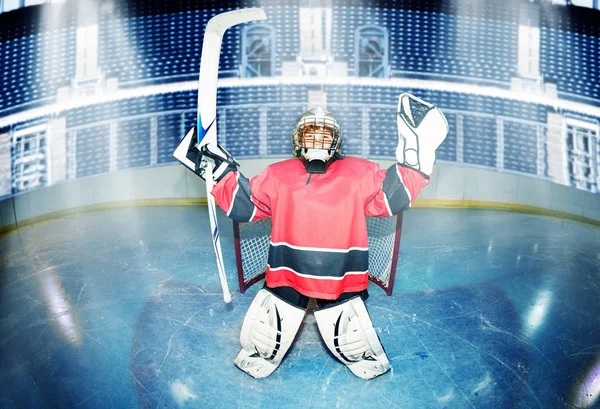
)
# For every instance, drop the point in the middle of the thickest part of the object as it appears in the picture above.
(315, 130)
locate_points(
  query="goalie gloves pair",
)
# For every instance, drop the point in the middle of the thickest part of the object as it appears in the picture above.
(271, 323)
(418, 140)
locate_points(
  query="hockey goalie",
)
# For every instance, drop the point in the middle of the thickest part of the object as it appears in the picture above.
(318, 203)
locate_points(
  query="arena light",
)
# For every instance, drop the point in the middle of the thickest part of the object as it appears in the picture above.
(583, 3)
(8, 5)
(577, 3)
(401, 83)
(52, 39)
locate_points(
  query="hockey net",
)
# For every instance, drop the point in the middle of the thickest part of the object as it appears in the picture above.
(252, 250)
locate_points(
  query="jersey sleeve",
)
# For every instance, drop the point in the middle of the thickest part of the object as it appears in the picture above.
(245, 200)
(391, 191)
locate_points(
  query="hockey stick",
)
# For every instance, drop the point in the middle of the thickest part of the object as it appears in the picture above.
(207, 109)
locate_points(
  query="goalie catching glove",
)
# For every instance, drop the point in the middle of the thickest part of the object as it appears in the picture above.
(197, 159)
(422, 127)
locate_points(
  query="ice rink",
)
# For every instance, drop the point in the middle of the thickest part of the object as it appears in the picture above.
(122, 308)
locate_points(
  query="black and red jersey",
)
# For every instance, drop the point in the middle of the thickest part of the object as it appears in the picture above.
(319, 242)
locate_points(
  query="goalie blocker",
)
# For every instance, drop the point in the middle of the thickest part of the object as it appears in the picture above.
(197, 159)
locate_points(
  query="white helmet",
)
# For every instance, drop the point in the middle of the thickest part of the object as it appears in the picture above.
(317, 135)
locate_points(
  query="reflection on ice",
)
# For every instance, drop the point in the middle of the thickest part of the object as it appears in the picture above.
(536, 314)
(181, 392)
(58, 306)
(587, 390)
(477, 318)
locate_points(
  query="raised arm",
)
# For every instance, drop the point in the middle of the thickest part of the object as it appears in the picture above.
(241, 199)
(244, 200)
(422, 128)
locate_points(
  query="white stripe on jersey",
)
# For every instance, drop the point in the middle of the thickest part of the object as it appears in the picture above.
(387, 204)
(282, 243)
(410, 199)
(317, 277)
(237, 187)
(253, 210)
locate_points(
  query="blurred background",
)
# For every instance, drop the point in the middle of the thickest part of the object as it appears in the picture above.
(106, 260)
(96, 87)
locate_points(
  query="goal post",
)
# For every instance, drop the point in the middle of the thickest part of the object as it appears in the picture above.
(252, 250)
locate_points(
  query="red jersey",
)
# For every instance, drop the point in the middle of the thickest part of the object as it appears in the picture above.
(319, 242)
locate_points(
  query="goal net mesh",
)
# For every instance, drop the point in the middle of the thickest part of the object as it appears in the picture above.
(252, 250)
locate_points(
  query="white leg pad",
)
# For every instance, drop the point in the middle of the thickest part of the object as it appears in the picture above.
(349, 334)
(267, 333)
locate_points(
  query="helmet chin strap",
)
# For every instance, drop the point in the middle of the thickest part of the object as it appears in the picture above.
(318, 160)
(316, 154)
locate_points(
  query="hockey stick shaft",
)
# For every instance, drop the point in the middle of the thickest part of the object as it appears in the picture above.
(207, 109)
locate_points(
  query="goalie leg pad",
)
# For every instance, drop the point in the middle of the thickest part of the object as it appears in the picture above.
(348, 332)
(268, 331)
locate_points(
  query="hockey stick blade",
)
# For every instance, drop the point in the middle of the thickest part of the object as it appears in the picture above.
(207, 109)
(209, 68)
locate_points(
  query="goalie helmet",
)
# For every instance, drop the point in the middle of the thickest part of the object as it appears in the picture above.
(317, 135)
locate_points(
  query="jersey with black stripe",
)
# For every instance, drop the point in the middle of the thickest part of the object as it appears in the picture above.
(319, 242)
